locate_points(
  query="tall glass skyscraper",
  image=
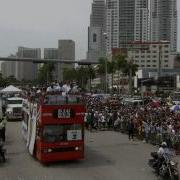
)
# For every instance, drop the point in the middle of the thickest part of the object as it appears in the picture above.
(126, 21)
(164, 21)
(96, 30)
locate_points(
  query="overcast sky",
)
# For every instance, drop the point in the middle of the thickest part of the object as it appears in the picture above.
(40, 23)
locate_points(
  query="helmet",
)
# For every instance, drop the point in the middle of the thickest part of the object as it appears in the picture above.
(164, 144)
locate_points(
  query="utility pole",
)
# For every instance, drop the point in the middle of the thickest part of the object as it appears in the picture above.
(130, 76)
(159, 66)
(106, 59)
(159, 62)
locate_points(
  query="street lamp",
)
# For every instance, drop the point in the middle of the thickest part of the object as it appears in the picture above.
(106, 77)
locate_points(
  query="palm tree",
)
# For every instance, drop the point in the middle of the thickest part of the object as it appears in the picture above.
(130, 69)
(111, 70)
(121, 62)
(101, 71)
(83, 75)
(70, 74)
(91, 74)
(45, 72)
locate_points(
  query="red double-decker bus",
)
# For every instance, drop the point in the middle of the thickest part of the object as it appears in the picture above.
(55, 128)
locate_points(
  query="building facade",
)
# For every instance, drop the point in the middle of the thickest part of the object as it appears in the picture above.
(8, 68)
(66, 51)
(96, 31)
(27, 70)
(163, 18)
(126, 21)
(50, 53)
(152, 55)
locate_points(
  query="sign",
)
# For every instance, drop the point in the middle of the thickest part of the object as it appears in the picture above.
(73, 135)
(64, 113)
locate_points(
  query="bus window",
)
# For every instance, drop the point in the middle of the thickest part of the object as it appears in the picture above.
(74, 100)
(54, 100)
(60, 133)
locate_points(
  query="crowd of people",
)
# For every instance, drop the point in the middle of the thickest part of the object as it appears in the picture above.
(153, 124)
(56, 87)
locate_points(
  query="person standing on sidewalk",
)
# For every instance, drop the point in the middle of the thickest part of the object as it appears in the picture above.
(131, 129)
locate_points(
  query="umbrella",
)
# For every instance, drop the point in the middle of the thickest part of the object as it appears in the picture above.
(155, 104)
(10, 89)
(175, 108)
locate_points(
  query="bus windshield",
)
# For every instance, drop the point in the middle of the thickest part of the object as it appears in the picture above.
(62, 133)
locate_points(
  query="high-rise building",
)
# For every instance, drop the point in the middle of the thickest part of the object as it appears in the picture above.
(8, 68)
(163, 18)
(152, 55)
(126, 21)
(142, 21)
(27, 70)
(66, 51)
(96, 31)
(50, 53)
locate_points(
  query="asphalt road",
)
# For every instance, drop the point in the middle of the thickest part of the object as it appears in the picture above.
(109, 156)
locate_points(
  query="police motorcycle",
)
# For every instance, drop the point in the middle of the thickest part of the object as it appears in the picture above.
(2, 151)
(165, 167)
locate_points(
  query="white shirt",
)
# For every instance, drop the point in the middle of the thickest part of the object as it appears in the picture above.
(49, 89)
(57, 88)
(66, 88)
(163, 151)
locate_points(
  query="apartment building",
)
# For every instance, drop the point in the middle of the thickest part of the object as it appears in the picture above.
(126, 21)
(163, 18)
(96, 31)
(151, 55)
(27, 70)
(66, 51)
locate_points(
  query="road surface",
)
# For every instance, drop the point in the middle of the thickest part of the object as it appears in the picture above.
(109, 156)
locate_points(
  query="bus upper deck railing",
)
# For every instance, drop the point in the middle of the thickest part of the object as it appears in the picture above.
(55, 99)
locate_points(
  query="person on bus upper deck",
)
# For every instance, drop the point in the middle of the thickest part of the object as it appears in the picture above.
(66, 87)
(50, 88)
(57, 87)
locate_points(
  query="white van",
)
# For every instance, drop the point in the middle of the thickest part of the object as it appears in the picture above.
(132, 102)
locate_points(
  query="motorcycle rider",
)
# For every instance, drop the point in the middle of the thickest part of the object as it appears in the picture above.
(1, 150)
(163, 149)
(160, 153)
(158, 156)
(3, 122)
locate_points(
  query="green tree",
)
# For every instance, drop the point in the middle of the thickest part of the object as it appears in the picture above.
(82, 76)
(130, 69)
(11, 80)
(101, 67)
(45, 73)
(120, 62)
(70, 74)
(111, 68)
(91, 75)
(2, 81)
